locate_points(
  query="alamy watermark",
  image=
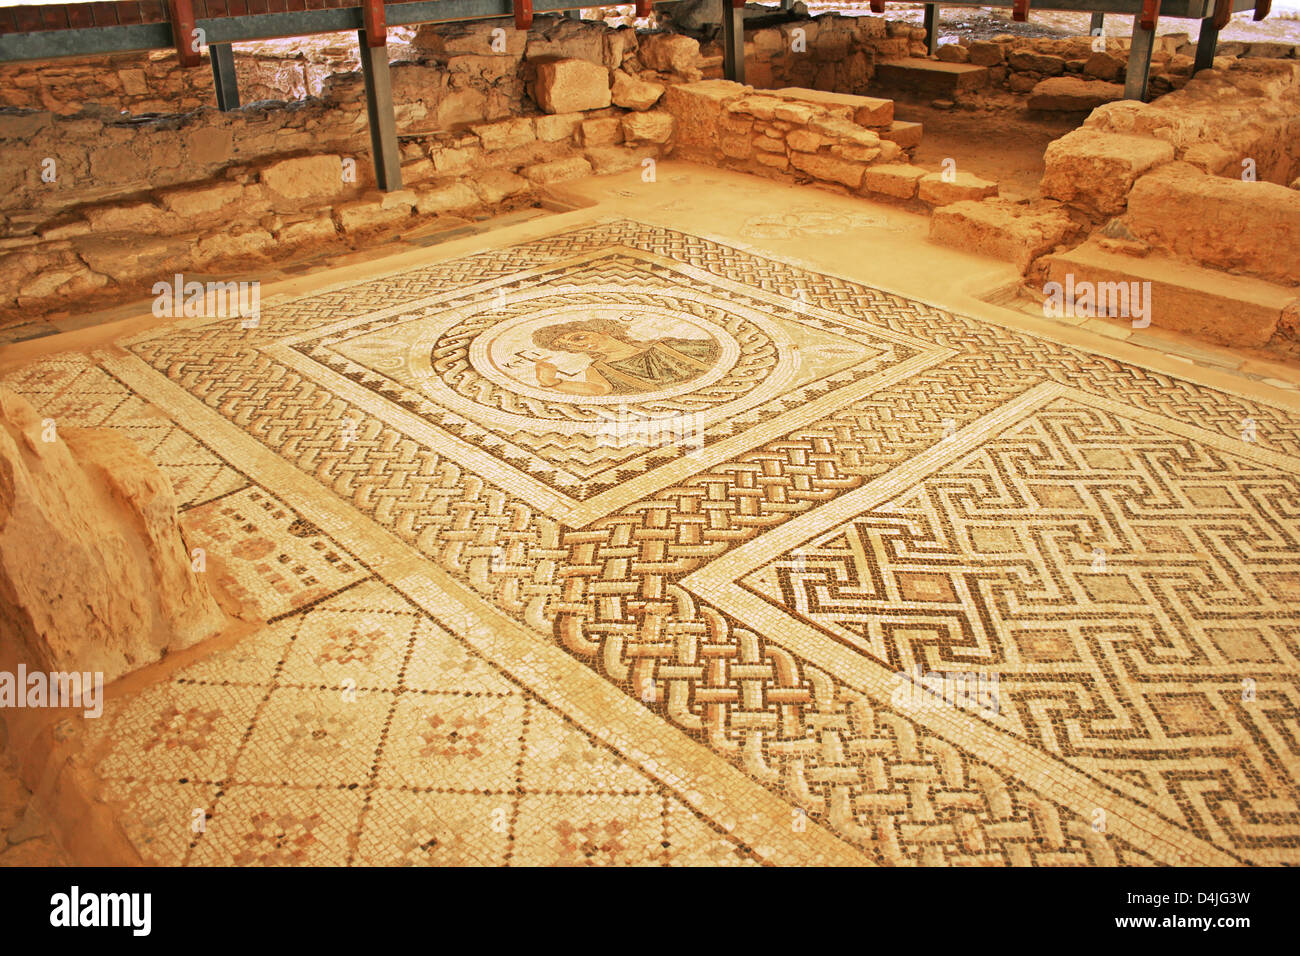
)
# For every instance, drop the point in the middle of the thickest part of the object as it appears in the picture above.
(1087, 300)
(623, 426)
(56, 689)
(180, 299)
(77, 909)
(931, 690)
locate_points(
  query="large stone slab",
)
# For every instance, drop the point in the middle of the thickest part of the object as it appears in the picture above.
(931, 77)
(1231, 310)
(1014, 232)
(1096, 170)
(1226, 223)
(697, 109)
(896, 180)
(935, 189)
(1071, 94)
(863, 110)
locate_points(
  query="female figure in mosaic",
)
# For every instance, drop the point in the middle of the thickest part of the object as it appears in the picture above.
(621, 364)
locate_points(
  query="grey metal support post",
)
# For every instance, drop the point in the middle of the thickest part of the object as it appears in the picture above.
(1206, 43)
(1098, 25)
(733, 41)
(379, 111)
(1139, 62)
(223, 76)
(931, 28)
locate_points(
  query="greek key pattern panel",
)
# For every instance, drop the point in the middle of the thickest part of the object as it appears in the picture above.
(1135, 593)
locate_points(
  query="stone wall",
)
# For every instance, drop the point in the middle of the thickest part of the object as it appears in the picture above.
(837, 141)
(1201, 173)
(1195, 197)
(155, 82)
(482, 129)
(831, 53)
(1081, 73)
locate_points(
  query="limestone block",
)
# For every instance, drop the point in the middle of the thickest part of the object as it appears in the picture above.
(475, 37)
(671, 53)
(1251, 227)
(1028, 61)
(634, 94)
(735, 145)
(805, 141)
(556, 127)
(315, 230)
(896, 180)
(863, 110)
(495, 185)
(606, 131)
(568, 39)
(984, 53)
(140, 217)
(937, 191)
(199, 202)
(653, 127)
(844, 131)
(1228, 309)
(306, 178)
(1022, 82)
(450, 198)
(1014, 232)
(142, 257)
(759, 107)
(558, 171)
(456, 159)
(903, 133)
(220, 246)
(1105, 66)
(565, 86)
(506, 134)
(697, 109)
(617, 159)
(1067, 94)
(1096, 170)
(829, 168)
(370, 214)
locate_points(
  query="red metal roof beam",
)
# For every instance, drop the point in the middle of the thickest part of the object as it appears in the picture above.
(181, 14)
(375, 23)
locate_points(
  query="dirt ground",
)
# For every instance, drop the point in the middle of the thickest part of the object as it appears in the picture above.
(1006, 147)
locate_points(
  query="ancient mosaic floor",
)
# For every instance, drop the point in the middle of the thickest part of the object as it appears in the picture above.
(621, 545)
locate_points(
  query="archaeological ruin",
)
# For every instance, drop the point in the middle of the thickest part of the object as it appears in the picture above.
(698, 433)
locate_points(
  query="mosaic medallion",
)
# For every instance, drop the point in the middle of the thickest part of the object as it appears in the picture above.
(605, 368)
(604, 355)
